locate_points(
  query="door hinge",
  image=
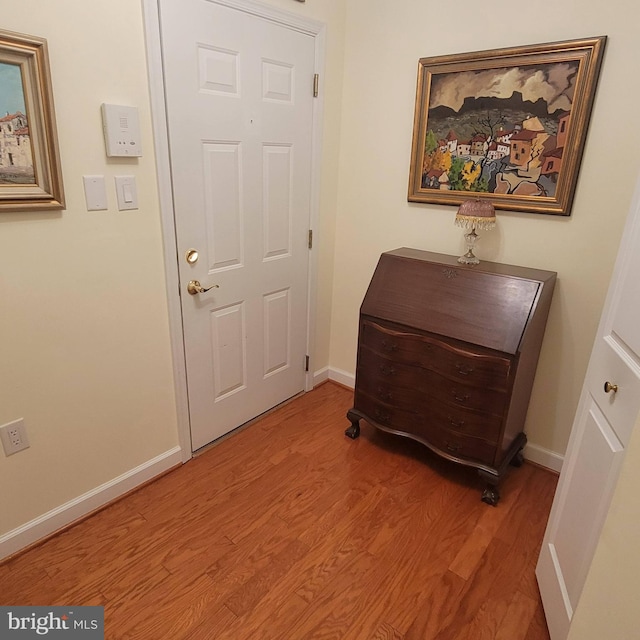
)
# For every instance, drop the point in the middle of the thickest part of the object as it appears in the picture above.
(306, 363)
(316, 83)
(310, 244)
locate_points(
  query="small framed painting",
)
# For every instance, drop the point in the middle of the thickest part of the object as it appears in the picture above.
(30, 174)
(508, 125)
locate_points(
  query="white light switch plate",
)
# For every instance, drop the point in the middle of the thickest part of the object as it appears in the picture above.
(127, 192)
(95, 193)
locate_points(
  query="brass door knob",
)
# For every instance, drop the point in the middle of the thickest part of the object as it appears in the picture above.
(194, 287)
(608, 387)
(191, 256)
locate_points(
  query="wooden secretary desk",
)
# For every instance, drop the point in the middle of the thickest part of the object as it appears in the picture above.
(447, 354)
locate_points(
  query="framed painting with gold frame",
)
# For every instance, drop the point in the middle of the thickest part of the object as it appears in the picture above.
(30, 174)
(507, 125)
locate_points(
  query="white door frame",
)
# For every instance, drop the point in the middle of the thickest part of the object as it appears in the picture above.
(315, 29)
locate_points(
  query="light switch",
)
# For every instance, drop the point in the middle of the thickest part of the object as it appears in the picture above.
(95, 193)
(127, 192)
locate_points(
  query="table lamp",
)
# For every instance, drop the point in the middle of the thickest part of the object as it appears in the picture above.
(474, 214)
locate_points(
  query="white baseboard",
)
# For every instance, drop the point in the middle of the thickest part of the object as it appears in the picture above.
(534, 453)
(337, 375)
(320, 376)
(544, 457)
(61, 516)
(343, 377)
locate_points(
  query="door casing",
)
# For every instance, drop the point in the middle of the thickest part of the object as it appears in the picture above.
(313, 28)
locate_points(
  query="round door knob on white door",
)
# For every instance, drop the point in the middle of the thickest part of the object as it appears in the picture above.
(191, 256)
(608, 387)
(194, 287)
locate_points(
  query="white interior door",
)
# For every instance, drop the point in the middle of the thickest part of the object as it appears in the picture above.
(601, 432)
(239, 98)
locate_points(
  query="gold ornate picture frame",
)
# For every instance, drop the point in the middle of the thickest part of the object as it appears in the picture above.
(30, 173)
(508, 125)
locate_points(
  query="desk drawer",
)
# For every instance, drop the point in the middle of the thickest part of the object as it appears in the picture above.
(435, 411)
(402, 384)
(468, 367)
(425, 428)
(385, 415)
(456, 445)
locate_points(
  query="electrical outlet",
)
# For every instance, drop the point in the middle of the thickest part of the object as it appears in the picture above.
(14, 437)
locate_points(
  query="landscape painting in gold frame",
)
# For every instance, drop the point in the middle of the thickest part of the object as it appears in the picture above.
(30, 175)
(508, 125)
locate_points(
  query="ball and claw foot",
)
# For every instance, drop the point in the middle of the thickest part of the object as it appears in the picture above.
(518, 459)
(353, 431)
(491, 496)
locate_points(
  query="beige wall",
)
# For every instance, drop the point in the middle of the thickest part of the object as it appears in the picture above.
(83, 321)
(85, 352)
(383, 45)
(608, 607)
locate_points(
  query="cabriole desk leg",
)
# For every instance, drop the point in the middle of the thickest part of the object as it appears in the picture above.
(354, 430)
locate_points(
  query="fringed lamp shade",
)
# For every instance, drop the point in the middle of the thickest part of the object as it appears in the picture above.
(474, 214)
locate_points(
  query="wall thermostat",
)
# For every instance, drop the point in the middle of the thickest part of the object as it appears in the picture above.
(121, 130)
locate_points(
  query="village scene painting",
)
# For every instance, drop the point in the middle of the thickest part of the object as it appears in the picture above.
(16, 154)
(499, 131)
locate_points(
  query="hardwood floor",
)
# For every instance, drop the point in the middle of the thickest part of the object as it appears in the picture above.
(290, 530)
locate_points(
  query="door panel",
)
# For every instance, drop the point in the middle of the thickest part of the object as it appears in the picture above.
(240, 116)
(625, 325)
(229, 355)
(597, 461)
(601, 431)
(277, 162)
(614, 363)
(222, 211)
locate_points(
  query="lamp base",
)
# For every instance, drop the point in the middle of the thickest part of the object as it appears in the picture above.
(468, 258)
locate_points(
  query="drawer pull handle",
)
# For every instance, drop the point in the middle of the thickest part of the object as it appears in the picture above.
(608, 387)
(384, 395)
(464, 370)
(389, 346)
(387, 371)
(460, 398)
(456, 423)
(454, 448)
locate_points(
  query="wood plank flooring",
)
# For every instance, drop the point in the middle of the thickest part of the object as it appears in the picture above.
(289, 530)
